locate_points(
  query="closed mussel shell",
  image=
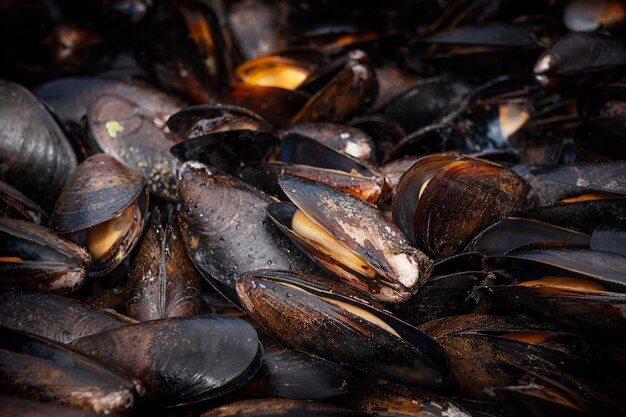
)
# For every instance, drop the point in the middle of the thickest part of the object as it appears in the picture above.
(350, 238)
(163, 281)
(38, 156)
(181, 360)
(103, 206)
(34, 257)
(55, 317)
(226, 230)
(37, 368)
(123, 129)
(341, 329)
(463, 187)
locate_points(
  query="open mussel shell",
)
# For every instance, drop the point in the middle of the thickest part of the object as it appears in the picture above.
(36, 368)
(579, 289)
(584, 214)
(289, 373)
(18, 206)
(201, 120)
(181, 360)
(227, 150)
(37, 155)
(226, 230)
(276, 407)
(55, 317)
(480, 346)
(311, 318)
(395, 400)
(350, 238)
(34, 257)
(514, 233)
(265, 177)
(103, 205)
(464, 186)
(352, 88)
(348, 140)
(123, 129)
(580, 59)
(300, 149)
(163, 282)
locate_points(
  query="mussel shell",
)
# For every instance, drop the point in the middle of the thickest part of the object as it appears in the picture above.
(163, 282)
(11, 406)
(55, 317)
(100, 189)
(605, 267)
(607, 176)
(386, 132)
(430, 139)
(265, 177)
(226, 230)
(400, 269)
(69, 97)
(201, 120)
(16, 205)
(36, 368)
(610, 237)
(464, 186)
(299, 316)
(514, 233)
(395, 400)
(36, 155)
(281, 407)
(50, 264)
(121, 128)
(181, 360)
(288, 373)
(351, 90)
(228, 150)
(348, 140)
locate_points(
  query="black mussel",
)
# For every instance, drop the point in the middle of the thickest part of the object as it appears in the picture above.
(515, 233)
(226, 230)
(289, 373)
(55, 317)
(202, 120)
(350, 238)
(339, 91)
(68, 97)
(430, 139)
(580, 59)
(395, 400)
(18, 206)
(384, 131)
(103, 206)
(489, 49)
(310, 317)
(610, 237)
(256, 26)
(392, 81)
(229, 151)
(34, 257)
(36, 156)
(349, 140)
(36, 368)
(589, 15)
(11, 406)
(163, 282)
(576, 288)
(121, 128)
(281, 407)
(465, 187)
(181, 360)
(492, 351)
(609, 177)
(427, 102)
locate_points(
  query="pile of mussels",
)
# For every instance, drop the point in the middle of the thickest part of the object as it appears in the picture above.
(298, 208)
